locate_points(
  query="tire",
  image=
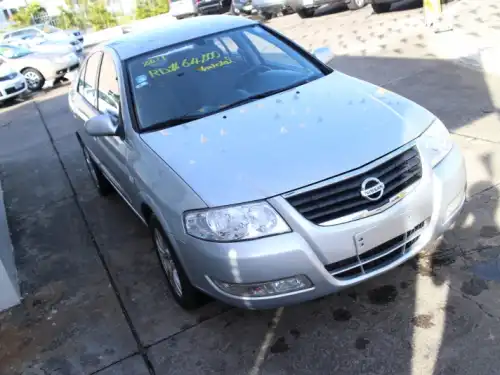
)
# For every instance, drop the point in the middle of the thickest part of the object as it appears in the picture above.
(184, 293)
(101, 183)
(356, 4)
(267, 16)
(305, 12)
(381, 8)
(34, 79)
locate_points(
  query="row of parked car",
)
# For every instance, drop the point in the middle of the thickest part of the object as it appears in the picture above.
(268, 8)
(35, 56)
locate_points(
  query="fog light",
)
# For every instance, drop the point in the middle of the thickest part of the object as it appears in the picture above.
(270, 288)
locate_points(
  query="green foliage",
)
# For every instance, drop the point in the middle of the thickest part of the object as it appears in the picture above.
(143, 10)
(70, 19)
(150, 8)
(99, 17)
(25, 15)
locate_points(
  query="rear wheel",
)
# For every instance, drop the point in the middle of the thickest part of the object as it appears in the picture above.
(356, 4)
(305, 12)
(34, 79)
(381, 8)
(266, 15)
(184, 293)
(102, 184)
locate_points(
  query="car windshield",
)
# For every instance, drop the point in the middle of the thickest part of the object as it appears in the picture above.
(207, 75)
(12, 52)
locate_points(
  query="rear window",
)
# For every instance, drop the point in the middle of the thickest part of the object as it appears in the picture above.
(205, 75)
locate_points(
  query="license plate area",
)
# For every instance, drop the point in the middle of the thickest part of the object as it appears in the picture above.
(385, 243)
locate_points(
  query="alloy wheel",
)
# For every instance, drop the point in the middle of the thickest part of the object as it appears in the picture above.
(32, 79)
(168, 263)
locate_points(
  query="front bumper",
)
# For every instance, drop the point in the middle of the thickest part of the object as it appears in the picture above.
(13, 88)
(307, 4)
(316, 251)
(58, 70)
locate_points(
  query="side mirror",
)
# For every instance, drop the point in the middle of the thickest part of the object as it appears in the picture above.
(101, 125)
(323, 54)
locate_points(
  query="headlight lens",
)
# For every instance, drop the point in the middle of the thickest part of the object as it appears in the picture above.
(235, 223)
(435, 143)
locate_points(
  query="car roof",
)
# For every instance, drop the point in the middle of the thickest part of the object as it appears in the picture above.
(137, 43)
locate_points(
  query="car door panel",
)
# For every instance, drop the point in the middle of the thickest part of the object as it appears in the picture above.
(115, 149)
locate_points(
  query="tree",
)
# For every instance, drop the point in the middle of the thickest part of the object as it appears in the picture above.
(99, 17)
(26, 15)
(69, 19)
(150, 8)
(143, 10)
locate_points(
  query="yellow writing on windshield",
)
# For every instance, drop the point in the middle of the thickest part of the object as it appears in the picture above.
(162, 71)
(215, 65)
(186, 63)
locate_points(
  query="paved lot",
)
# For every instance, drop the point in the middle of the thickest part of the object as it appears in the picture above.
(95, 301)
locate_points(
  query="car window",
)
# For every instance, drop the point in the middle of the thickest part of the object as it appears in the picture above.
(27, 33)
(89, 81)
(13, 52)
(206, 75)
(108, 91)
(269, 51)
(81, 79)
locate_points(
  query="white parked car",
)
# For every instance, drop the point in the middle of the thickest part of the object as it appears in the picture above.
(33, 36)
(12, 83)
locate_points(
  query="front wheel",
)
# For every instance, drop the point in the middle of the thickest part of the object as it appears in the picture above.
(381, 8)
(305, 12)
(184, 293)
(356, 4)
(34, 79)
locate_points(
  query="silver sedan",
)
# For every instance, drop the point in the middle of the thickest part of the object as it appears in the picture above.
(39, 68)
(266, 177)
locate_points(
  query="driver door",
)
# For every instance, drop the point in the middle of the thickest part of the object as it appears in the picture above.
(113, 151)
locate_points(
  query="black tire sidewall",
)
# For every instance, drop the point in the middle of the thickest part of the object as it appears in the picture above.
(102, 184)
(191, 297)
(305, 12)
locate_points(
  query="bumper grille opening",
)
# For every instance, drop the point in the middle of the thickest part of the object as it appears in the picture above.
(377, 257)
(12, 90)
(344, 197)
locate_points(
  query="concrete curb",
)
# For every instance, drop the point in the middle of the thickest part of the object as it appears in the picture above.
(9, 289)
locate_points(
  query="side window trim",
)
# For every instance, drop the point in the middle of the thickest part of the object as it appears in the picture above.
(96, 76)
(99, 76)
(81, 77)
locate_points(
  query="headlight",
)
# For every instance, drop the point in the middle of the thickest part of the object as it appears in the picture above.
(435, 143)
(235, 223)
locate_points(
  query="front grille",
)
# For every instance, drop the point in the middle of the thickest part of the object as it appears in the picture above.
(377, 257)
(12, 90)
(344, 197)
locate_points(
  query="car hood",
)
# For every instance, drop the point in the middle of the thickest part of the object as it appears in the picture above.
(268, 147)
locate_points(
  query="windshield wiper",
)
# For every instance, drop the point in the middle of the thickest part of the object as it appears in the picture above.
(173, 122)
(264, 95)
